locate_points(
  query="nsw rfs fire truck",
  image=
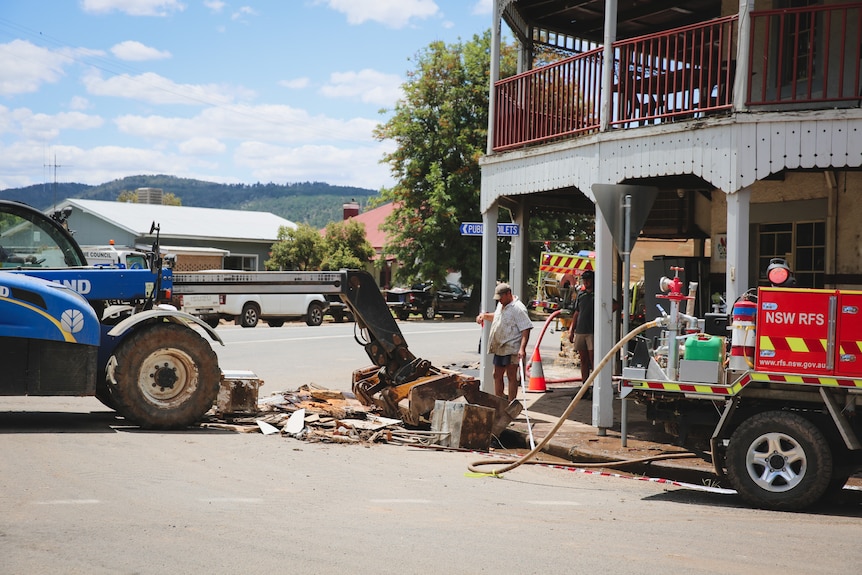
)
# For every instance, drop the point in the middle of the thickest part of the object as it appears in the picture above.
(781, 400)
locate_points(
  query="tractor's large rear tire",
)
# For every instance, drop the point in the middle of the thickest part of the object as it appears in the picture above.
(779, 460)
(165, 376)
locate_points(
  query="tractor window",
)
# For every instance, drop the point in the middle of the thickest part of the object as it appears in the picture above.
(30, 240)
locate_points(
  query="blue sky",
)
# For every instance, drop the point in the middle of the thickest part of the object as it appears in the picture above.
(238, 92)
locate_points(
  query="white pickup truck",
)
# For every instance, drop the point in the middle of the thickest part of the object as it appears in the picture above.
(247, 310)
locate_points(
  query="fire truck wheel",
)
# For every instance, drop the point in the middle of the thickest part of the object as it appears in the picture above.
(429, 312)
(165, 376)
(250, 315)
(779, 460)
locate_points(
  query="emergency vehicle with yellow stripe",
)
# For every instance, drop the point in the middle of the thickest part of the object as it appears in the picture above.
(778, 389)
(558, 278)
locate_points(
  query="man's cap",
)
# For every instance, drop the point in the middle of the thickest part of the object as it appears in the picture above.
(588, 275)
(501, 289)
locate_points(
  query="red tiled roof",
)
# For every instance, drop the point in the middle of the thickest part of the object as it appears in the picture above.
(373, 219)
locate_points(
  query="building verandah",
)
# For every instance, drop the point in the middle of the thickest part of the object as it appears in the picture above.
(761, 145)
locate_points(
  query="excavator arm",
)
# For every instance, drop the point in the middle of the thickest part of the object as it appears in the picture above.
(402, 385)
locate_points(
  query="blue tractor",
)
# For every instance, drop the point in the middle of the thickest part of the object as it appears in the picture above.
(67, 328)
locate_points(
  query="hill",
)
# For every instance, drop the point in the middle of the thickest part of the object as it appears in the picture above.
(312, 203)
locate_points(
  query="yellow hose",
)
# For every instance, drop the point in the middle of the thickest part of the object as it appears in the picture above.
(586, 385)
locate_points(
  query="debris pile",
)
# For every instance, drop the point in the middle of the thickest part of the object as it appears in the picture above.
(317, 414)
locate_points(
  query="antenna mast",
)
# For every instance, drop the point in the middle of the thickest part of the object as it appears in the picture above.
(55, 165)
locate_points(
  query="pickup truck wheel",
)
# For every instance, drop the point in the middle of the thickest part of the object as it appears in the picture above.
(275, 322)
(212, 322)
(165, 376)
(429, 312)
(250, 315)
(779, 460)
(314, 317)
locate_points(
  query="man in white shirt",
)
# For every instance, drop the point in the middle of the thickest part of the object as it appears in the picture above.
(510, 332)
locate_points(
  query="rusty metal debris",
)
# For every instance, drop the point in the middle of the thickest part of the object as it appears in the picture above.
(324, 415)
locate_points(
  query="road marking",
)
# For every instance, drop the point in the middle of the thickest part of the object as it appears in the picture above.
(232, 500)
(420, 501)
(68, 502)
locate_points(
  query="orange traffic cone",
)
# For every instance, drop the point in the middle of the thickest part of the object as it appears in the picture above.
(537, 374)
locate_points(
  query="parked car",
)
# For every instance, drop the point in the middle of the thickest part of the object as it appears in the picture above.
(338, 310)
(248, 309)
(424, 299)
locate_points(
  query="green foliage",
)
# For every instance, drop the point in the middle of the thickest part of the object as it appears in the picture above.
(440, 130)
(296, 249)
(346, 246)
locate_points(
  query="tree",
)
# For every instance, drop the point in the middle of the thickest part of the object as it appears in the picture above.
(343, 245)
(346, 246)
(296, 249)
(440, 128)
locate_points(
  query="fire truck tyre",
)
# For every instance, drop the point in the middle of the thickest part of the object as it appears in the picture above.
(165, 376)
(402, 315)
(314, 317)
(429, 312)
(250, 315)
(779, 460)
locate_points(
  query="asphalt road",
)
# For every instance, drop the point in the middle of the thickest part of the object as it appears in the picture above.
(82, 492)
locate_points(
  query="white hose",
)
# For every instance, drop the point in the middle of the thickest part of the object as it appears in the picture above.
(586, 385)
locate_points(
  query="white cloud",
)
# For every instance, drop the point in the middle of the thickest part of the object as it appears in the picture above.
(79, 103)
(483, 7)
(391, 13)
(133, 7)
(44, 127)
(137, 52)
(201, 147)
(214, 5)
(155, 89)
(370, 86)
(340, 166)
(266, 123)
(24, 67)
(242, 12)
(295, 83)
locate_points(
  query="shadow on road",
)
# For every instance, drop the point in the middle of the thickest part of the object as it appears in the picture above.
(105, 421)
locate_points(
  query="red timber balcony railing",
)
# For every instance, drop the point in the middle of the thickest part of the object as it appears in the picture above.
(678, 74)
(805, 55)
(555, 101)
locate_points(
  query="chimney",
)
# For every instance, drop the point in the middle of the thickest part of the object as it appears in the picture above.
(350, 209)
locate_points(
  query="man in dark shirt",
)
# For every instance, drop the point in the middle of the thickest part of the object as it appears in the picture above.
(583, 322)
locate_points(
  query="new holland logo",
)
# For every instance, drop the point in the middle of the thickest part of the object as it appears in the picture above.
(72, 320)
